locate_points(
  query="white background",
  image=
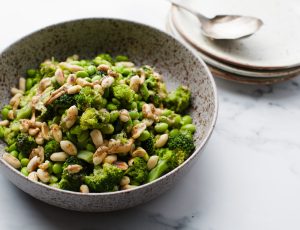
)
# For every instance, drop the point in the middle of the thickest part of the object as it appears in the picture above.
(248, 178)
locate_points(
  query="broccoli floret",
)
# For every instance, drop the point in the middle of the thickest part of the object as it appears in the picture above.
(138, 172)
(48, 67)
(167, 161)
(181, 141)
(52, 146)
(72, 181)
(178, 100)
(88, 97)
(104, 180)
(148, 145)
(123, 93)
(25, 143)
(89, 119)
(63, 102)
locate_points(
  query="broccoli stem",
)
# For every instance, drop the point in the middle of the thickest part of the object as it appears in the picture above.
(161, 168)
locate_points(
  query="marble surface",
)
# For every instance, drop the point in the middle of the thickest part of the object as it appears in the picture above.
(248, 177)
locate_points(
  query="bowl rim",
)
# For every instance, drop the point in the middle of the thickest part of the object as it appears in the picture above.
(140, 187)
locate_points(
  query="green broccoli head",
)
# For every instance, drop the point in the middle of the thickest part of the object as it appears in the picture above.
(89, 119)
(138, 172)
(25, 143)
(105, 179)
(123, 93)
(63, 102)
(51, 146)
(167, 161)
(73, 181)
(181, 141)
(178, 100)
(148, 145)
(88, 97)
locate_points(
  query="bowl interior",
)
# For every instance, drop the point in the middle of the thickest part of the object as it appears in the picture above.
(142, 44)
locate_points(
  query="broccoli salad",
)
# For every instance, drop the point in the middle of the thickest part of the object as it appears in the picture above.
(96, 125)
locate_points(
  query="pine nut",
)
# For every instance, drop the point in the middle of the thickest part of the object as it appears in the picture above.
(126, 64)
(15, 99)
(11, 115)
(39, 151)
(33, 176)
(44, 166)
(22, 84)
(139, 152)
(44, 83)
(33, 163)
(43, 175)
(56, 132)
(38, 124)
(70, 67)
(82, 82)
(112, 73)
(128, 186)
(74, 89)
(59, 76)
(138, 129)
(107, 82)
(84, 189)
(72, 169)
(45, 131)
(161, 141)
(25, 125)
(124, 115)
(148, 122)
(110, 159)
(98, 88)
(97, 137)
(59, 156)
(15, 91)
(130, 162)
(33, 131)
(68, 147)
(125, 180)
(99, 155)
(4, 123)
(135, 83)
(71, 80)
(11, 160)
(121, 165)
(152, 162)
(103, 67)
(39, 139)
(72, 114)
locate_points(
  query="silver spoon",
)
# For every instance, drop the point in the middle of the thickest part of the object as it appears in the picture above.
(225, 26)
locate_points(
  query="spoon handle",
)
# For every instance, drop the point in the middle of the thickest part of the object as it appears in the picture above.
(201, 17)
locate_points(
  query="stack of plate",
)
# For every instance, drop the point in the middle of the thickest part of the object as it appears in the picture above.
(269, 56)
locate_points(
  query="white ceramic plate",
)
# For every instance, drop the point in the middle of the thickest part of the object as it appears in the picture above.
(232, 69)
(274, 46)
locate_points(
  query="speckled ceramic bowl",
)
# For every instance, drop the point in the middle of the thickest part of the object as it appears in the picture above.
(143, 45)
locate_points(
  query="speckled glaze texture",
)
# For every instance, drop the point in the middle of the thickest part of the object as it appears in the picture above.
(143, 45)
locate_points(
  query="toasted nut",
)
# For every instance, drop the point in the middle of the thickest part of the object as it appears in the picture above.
(43, 175)
(4, 123)
(71, 80)
(103, 67)
(84, 189)
(33, 131)
(99, 155)
(148, 121)
(139, 152)
(56, 132)
(70, 67)
(121, 165)
(98, 88)
(33, 163)
(125, 64)
(110, 159)
(82, 82)
(161, 141)
(15, 99)
(112, 73)
(59, 156)
(45, 131)
(124, 115)
(135, 83)
(44, 83)
(25, 125)
(11, 160)
(33, 176)
(138, 129)
(128, 186)
(11, 115)
(74, 89)
(74, 168)
(22, 84)
(72, 114)
(107, 82)
(125, 180)
(59, 76)
(130, 162)
(152, 162)
(15, 91)
(68, 147)
(45, 165)
(38, 124)
(39, 151)
(39, 139)
(117, 147)
(97, 137)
